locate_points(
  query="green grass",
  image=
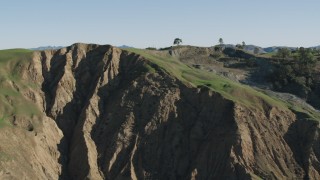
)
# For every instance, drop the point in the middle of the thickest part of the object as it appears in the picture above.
(2, 122)
(10, 61)
(4, 156)
(268, 55)
(150, 69)
(309, 113)
(196, 77)
(12, 102)
(10, 58)
(11, 54)
(236, 92)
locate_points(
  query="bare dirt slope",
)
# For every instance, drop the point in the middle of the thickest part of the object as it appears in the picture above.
(106, 113)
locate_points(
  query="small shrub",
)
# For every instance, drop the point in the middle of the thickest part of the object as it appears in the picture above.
(216, 55)
(165, 48)
(251, 62)
(151, 48)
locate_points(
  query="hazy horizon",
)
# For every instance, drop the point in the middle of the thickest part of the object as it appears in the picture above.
(30, 24)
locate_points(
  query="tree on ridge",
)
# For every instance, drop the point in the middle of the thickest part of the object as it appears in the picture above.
(220, 41)
(177, 41)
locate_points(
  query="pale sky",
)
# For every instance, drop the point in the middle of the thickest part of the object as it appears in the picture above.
(142, 23)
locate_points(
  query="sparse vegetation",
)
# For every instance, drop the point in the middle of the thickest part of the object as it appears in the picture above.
(218, 48)
(239, 46)
(151, 48)
(231, 90)
(165, 48)
(11, 100)
(256, 50)
(283, 53)
(217, 54)
(194, 76)
(1, 121)
(251, 62)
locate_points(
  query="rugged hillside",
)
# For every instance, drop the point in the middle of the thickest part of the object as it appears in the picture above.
(99, 112)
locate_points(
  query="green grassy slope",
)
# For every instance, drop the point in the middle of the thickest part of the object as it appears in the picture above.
(12, 103)
(236, 92)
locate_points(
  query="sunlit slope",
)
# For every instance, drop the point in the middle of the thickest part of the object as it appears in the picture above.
(234, 91)
(12, 102)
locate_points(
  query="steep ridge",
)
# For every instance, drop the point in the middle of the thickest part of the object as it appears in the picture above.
(107, 113)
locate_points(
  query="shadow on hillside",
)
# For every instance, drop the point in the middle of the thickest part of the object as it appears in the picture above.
(258, 75)
(63, 159)
(300, 137)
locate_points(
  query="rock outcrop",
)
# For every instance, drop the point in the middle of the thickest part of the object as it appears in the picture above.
(105, 116)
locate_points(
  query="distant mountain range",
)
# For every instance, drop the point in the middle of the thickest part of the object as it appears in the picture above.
(276, 48)
(250, 48)
(317, 47)
(41, 48)
(125, 46)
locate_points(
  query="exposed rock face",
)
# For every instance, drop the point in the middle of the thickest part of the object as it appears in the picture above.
(106, 117)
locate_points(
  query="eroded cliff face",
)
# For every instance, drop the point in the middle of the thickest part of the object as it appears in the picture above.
(105, 115)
